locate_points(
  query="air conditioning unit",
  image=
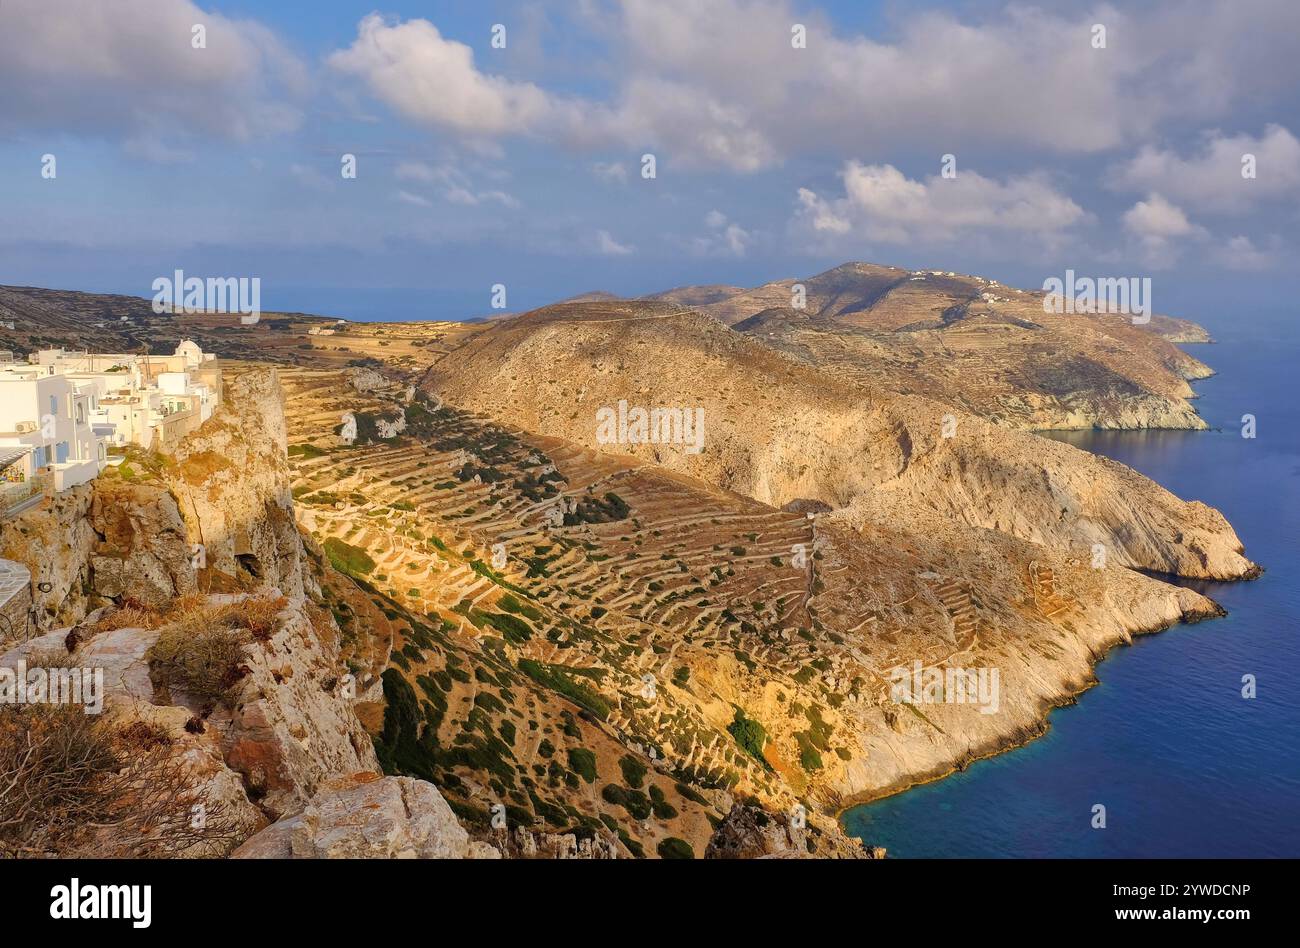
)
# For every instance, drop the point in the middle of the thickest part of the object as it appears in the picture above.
(23, 427)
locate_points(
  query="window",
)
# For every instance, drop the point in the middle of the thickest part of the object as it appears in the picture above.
(54, 405)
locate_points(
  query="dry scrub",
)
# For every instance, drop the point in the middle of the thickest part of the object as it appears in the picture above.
(76, 785)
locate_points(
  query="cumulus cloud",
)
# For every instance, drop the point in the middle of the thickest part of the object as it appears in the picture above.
(1158, 227)
(1022, 76)
(881, 204)
(433, 80)
(127, 71)
(1212, 178)
(608, 246)
(725, 238)
(718, 83)
(1240, 253)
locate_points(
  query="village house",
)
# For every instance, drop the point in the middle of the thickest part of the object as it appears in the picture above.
(61, 411)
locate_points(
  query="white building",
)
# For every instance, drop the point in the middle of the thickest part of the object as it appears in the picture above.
(47, 429)
(151, 401)
(60, 412)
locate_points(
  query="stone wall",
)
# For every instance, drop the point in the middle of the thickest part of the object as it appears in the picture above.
(15, 599)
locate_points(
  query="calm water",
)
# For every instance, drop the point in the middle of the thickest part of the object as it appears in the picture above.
(1185, 766)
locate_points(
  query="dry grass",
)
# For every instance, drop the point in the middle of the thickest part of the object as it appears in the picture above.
(75, 785)
(200, 649)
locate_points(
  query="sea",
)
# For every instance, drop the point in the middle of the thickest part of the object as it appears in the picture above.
(1183, 762)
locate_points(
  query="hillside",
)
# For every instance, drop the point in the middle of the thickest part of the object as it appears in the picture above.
(972, 343)
(781, 430)
(632, 648)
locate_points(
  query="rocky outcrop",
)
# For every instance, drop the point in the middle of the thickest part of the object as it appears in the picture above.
(525, 844)
(365, 816)
(141, 551)
(214, 791)
(292, 726)
(231, 482)
(750, 832)
(54, 541)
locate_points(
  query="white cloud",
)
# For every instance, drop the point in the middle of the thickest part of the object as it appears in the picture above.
(416, 199)
(723, 85)
(1156, 217)
(1240, 253)
(1158, 226)
(1212, 178)
(475, 198)
(881, 204)
(456, 186)
(717, 83)
(127, 71)
(607, 245)
(430, 79)
(613, 172)
(726, 238)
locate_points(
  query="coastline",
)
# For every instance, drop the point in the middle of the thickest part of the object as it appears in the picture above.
(1024, 734)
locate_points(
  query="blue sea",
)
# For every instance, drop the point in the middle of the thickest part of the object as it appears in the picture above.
(1185, 766)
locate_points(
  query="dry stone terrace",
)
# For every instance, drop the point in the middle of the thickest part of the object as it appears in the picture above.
(648, 576)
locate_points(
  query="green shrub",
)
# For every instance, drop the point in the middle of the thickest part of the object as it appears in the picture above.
(347, 558)
(670, 847)
(583, 763)
(634, 771)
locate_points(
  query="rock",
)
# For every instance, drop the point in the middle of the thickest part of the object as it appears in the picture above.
(231, 477)
(142, 552)
(750, 832)
(287, 734)
(54, 541)
(367, 817)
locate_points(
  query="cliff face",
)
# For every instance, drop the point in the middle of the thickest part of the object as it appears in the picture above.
(109, 540)
(231, 485)
(239, 705)
(54, 541)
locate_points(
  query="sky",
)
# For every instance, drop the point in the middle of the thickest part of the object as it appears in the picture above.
(505, 143)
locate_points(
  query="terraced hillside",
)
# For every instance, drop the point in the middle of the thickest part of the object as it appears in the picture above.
(779, 429)
(109, 323)
(561, 630)
(973, 343)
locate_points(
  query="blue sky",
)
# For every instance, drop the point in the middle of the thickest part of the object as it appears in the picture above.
(479, 165)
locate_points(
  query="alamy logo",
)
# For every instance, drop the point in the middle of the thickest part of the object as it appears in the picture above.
(637, 425)
(935, 685)
(21, 685)
(103, 901)
(195, 295)
(1128, 295)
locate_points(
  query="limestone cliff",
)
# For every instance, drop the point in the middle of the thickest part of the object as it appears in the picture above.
(230, 482)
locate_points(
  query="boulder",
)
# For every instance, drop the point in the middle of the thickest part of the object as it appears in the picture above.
(366, 816)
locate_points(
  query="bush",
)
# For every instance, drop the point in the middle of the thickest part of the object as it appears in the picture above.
(634, 771)
(347, 558)
(205, 664)
(81, 786)
(634, 801)
(750, 735)
(670, 847)
(583, 763)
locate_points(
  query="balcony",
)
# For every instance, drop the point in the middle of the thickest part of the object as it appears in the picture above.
(19, 496)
